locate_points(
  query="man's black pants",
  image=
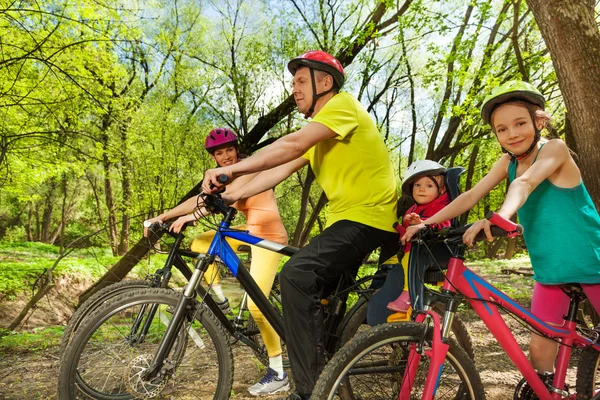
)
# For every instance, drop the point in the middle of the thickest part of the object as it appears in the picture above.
(312, 274)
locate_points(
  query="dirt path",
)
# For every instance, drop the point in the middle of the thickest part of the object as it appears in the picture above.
(33, 374)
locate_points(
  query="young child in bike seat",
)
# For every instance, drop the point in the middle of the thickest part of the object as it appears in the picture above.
(262, 220)
(424, 182)
(560, 221)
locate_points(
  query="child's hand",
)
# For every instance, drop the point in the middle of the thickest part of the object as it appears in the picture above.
(415, 219)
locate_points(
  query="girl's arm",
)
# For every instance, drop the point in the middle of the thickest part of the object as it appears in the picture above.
(467, 200)
(553, 156)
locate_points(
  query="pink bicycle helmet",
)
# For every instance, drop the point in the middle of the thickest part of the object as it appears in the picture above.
(218, 137)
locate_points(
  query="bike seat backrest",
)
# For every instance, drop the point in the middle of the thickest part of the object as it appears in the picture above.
(452, 177)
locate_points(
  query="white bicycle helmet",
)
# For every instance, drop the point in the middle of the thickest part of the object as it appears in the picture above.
(418, 169)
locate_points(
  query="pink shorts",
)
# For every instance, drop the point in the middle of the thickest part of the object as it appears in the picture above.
(550, 303)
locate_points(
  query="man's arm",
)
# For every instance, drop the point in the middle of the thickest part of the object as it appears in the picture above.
(282, 151)
(264, 180)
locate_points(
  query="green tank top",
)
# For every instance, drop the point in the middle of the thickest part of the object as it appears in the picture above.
(561, 231)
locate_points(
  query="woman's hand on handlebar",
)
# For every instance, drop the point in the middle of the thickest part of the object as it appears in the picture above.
(471, 233)
(211, 183)
(180, 222)
(410, 232)
(149, 222)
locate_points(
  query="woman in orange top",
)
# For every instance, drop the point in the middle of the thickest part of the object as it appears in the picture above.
(262, 220)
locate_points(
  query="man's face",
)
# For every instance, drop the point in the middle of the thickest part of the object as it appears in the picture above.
(302, 89)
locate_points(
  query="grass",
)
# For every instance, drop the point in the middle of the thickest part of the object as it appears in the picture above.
(38, 339)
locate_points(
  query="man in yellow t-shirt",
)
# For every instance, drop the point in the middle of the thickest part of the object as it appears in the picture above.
(351, 163)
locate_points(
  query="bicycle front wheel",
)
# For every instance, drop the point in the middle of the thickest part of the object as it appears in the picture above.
(88, 306)
(111, 350)
(372, 366)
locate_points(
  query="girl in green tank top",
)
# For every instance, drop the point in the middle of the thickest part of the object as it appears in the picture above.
(560, 221)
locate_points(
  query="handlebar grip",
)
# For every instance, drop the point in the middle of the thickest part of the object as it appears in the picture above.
(222, 178)
(510, 227)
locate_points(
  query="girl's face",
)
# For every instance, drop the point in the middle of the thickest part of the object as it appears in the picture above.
(424, 190)
(514, 127)
(225, 156)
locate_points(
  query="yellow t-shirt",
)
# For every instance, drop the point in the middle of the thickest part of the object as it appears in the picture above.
(354, 167)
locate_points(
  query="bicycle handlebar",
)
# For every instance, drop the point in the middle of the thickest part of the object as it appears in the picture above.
(501, 227)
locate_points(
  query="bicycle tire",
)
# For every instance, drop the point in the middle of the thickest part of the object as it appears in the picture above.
(386, 345)
(588, 374)
(94, 302)
(105, 361)
(357, 317)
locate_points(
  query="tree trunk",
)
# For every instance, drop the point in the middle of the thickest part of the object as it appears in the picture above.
(313, 218)
(126, 198)
(310, 177)
(573, 39)
(29, 218)
(47, 216)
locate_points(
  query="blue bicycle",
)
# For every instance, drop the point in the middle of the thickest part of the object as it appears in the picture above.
(154, 342)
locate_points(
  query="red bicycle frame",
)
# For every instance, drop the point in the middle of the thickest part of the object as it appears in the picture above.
(485, 299)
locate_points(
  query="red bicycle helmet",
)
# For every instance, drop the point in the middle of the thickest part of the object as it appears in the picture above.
(321, 61)
(218, 137)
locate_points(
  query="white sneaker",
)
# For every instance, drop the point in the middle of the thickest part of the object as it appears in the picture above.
(270, 384)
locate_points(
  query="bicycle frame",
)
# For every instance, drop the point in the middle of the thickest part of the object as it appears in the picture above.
(483, 297)
(219, 247)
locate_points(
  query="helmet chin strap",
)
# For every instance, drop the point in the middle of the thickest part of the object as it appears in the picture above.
(536, 139)
(315, 95)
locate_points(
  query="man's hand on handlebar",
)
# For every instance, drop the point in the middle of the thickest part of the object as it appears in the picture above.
(213, 179)
(476, 227)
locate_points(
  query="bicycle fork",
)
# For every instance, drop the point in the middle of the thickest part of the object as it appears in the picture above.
(436, 355)
(185, 301)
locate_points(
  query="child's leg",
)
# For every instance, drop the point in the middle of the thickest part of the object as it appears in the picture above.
(402, 303)
(550, 304)
(593, 294)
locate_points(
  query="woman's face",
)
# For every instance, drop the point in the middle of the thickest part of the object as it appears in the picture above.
(225, 156)
(514, 127)
(425, 190)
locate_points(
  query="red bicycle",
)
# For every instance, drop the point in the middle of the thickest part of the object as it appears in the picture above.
(417, 360)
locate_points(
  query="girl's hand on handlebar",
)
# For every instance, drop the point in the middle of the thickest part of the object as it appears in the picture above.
(410, 232)
(180, 222)
(149, 222)
(471, 233)
(211, 183)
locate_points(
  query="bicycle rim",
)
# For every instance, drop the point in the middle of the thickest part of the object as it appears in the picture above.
(372, 367)
(109, 356)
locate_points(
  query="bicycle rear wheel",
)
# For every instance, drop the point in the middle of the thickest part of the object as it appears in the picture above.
(115, 345)
(588, 374)
(371, 366)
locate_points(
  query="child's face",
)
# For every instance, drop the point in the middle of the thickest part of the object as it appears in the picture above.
(514, 127)
(424, 190)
